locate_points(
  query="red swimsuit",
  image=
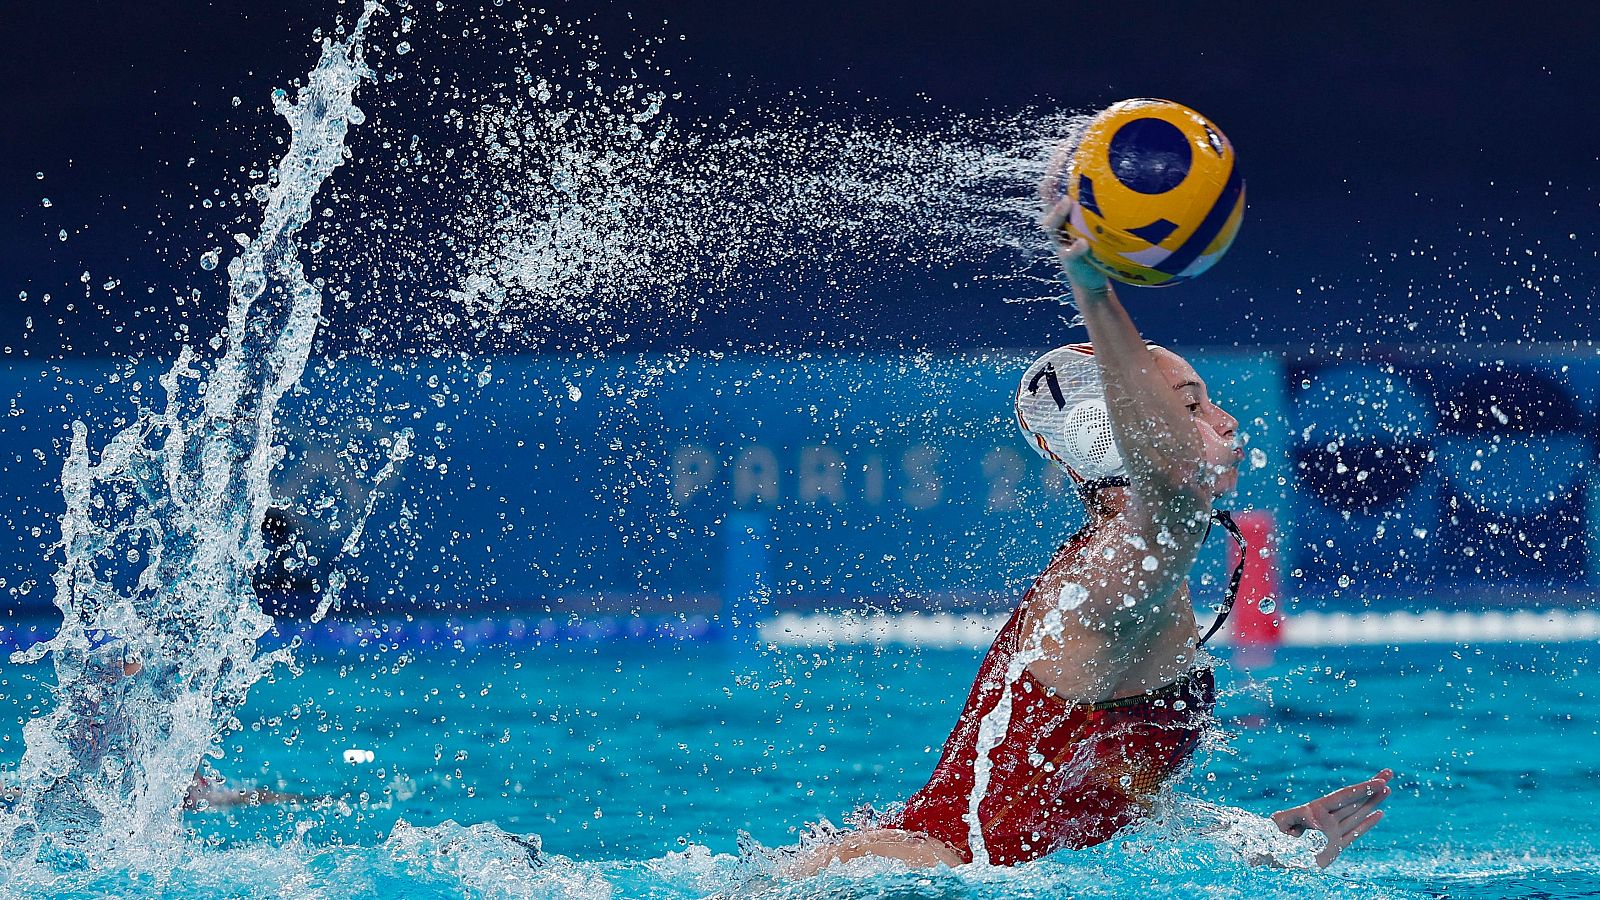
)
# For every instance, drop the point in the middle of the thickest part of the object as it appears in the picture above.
(1066, 774)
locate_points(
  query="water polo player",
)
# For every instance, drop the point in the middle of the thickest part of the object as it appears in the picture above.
(1095, 693)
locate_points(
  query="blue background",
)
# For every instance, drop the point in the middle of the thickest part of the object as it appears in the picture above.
(574, 485)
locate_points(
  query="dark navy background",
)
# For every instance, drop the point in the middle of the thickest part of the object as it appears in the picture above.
(1417, 172)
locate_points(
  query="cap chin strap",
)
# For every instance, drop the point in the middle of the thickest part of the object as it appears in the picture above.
(1226, 520)
(1088, 489)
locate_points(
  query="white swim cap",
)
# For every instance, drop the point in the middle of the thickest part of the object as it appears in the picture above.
(1061, 409)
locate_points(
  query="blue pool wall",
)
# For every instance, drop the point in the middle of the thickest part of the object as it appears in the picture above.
(748, 485)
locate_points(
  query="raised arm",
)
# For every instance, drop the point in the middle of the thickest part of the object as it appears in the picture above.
(1154, 431)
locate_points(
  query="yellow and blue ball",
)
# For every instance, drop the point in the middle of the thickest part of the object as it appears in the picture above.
(1158, 192)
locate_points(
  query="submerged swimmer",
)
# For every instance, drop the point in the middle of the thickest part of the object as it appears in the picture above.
(1094, 695)
(102, 739)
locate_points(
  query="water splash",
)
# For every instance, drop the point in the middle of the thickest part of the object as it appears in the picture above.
(594, 222)
(159, 539)
(399, 452)
(578, 201)
(1246, 837)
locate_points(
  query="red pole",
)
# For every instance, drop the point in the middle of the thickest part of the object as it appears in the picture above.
(1251, 625)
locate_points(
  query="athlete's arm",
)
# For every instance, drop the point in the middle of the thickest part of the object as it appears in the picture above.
(1154, 431)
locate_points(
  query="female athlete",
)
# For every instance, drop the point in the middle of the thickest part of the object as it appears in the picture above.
(1095, 693)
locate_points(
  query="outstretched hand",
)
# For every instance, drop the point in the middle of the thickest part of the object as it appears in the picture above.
(1344, 815)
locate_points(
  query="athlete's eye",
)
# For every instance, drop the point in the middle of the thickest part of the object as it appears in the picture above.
(1194, 409)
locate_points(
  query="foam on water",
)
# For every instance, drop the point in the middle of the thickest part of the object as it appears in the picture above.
(697, 873)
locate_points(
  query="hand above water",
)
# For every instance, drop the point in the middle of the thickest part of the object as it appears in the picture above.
(1073, 252)
(1344, 815)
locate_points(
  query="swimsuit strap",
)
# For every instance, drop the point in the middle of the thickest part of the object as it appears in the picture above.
(1228, 599)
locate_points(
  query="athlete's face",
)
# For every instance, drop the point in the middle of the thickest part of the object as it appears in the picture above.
(1218, 430)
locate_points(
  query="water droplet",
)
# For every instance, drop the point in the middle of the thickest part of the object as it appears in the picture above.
(1344, 581)
(1267, 606)
(1179, 705)
(1258, 458)
(46, 202)
(1150, 563)
(209, 259)
(574, 393)
(402, 48)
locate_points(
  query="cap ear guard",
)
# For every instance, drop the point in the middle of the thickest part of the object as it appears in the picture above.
(1061, 410)
(1086, 435)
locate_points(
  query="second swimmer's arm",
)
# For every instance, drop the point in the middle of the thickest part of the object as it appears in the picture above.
(1154, 431)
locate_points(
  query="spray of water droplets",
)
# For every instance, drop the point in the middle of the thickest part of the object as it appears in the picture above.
(564, 200)
(594, 220)
(160, 536)
(580, 203)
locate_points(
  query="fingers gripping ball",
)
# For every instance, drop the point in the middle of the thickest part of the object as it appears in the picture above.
(1157, 192)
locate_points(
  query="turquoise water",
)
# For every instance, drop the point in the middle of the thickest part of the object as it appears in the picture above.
(638, 764)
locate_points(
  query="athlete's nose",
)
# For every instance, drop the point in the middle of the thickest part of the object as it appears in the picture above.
(1226, 425)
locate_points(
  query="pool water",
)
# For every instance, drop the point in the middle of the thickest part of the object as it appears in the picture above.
(638, 766)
